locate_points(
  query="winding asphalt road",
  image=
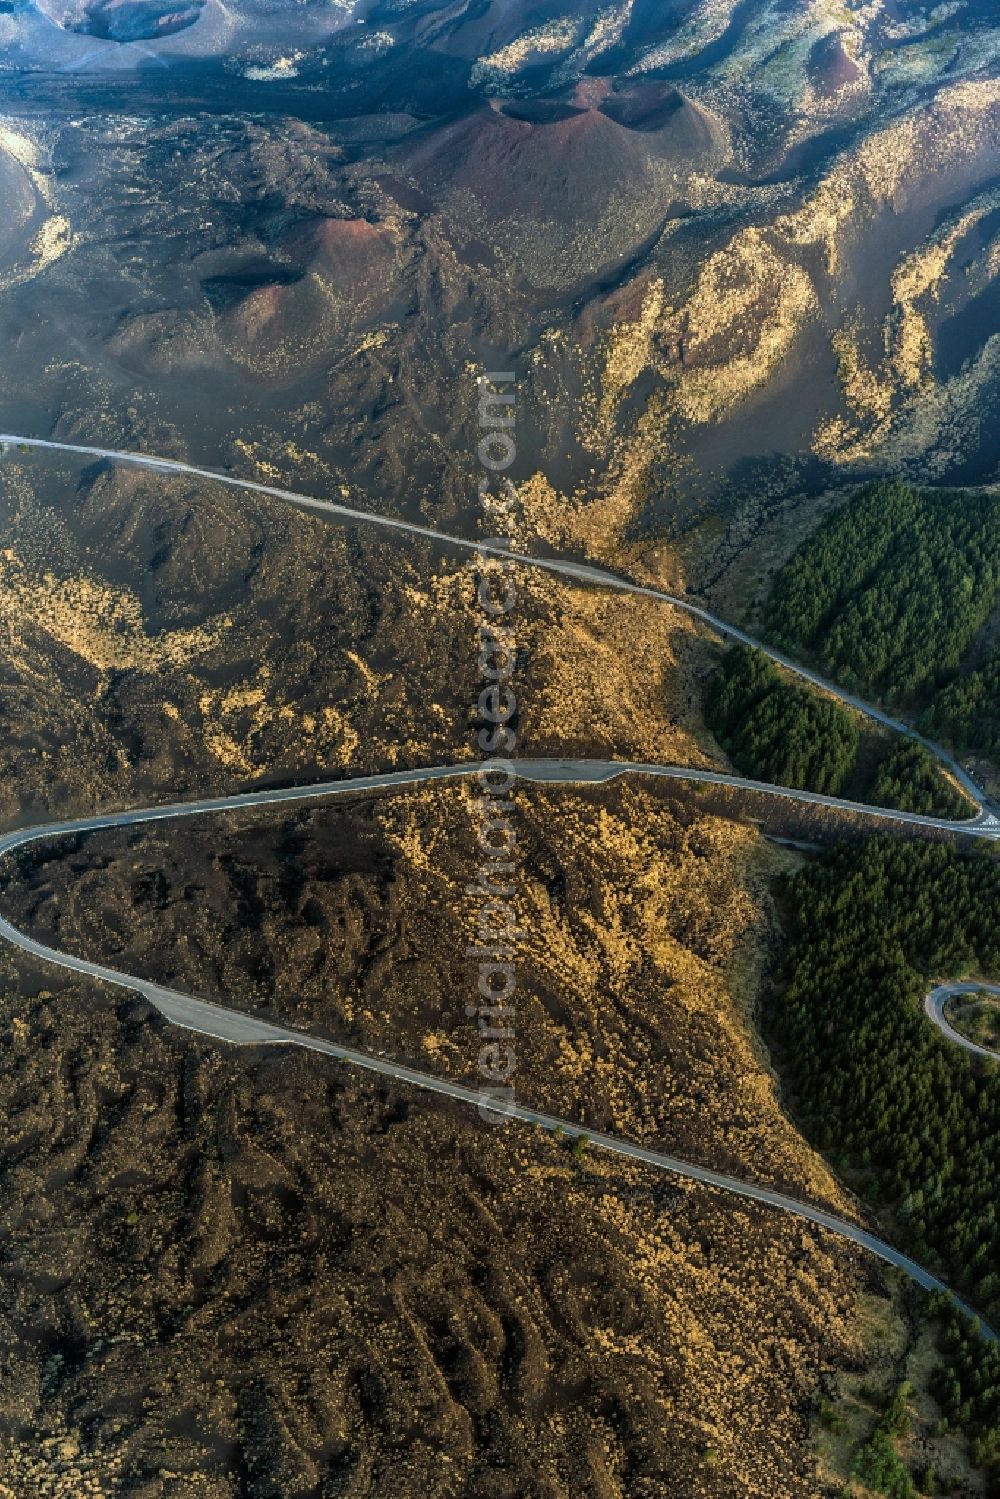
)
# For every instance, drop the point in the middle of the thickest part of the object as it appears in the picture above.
(241, 1029)
(578, 571)
(934, 1008)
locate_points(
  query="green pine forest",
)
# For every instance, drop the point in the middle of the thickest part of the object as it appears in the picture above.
(890, 592)
(775, 730)
(966, 1385)
(911, 1117)
(908, 777)
(966, 712)
(890, 597)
